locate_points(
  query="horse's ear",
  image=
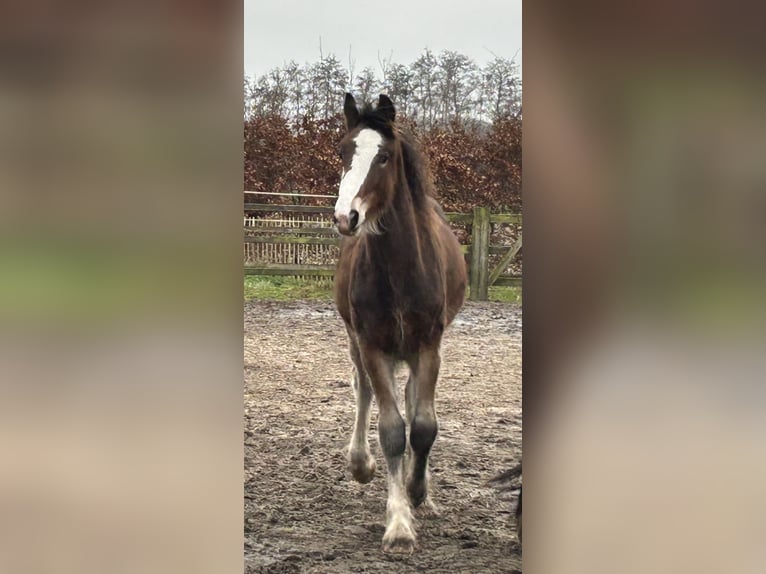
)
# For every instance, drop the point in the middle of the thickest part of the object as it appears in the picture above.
(386, 107)
(351, 112)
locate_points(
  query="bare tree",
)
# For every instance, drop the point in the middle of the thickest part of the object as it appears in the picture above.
(328, 81)
(501, 88)
(385, 64)
(351, 66)
(400, 87)
(366, 84)
(248, 97)
(425, 78)
(295, 78)
(457, 82)
(432, 90)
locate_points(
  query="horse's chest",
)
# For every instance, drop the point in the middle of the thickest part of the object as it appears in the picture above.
(397, 322)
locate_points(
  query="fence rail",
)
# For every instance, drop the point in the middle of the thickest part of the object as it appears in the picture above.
(291, 232)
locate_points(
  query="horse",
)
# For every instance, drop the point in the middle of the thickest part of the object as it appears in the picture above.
(400, 280)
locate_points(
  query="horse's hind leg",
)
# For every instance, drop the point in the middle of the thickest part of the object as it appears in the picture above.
(409, 406)
(423, 424)
(400, 534)
(360, 461)
(409, 398)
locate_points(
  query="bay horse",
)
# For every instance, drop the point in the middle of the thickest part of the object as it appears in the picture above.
(400, 281)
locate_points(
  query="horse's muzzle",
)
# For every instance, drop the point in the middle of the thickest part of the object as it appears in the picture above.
(347, 224)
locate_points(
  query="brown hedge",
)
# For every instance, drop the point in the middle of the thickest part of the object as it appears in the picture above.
(472, 163)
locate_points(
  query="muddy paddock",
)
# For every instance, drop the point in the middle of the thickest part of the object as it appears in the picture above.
(304, 513)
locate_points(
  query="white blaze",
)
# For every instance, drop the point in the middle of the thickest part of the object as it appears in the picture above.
(368, 143)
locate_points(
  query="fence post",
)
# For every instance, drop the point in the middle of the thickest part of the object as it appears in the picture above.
(479, 278)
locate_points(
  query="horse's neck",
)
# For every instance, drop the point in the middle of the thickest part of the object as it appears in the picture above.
(400, 244)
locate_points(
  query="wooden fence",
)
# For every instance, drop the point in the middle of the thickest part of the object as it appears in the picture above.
(309, 225)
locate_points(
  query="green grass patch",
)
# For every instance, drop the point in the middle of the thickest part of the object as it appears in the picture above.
(277, 288)
(505, 294)
(267, 288)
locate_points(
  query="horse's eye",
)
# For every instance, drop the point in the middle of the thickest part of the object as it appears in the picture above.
(340, 154)
(382, 158)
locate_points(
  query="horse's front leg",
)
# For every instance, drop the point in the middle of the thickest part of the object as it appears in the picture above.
(424, 427)
(360, 461)
(400, 533)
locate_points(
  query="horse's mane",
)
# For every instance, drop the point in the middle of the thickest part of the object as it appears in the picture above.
(416, 168)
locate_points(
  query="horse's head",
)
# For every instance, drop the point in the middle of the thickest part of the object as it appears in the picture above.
(369, 153)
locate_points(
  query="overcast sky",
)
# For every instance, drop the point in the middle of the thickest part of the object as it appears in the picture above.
(277, 31)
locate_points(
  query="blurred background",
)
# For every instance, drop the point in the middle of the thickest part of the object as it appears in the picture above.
(120, 297)
(644, 269)
(121, 294)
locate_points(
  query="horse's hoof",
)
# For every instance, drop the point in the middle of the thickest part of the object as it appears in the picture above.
(417, 492)
(399, 539)
(399, 546)
(427, 509)
(363, 470)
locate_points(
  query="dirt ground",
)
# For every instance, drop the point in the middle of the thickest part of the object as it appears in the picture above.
(304, 513)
